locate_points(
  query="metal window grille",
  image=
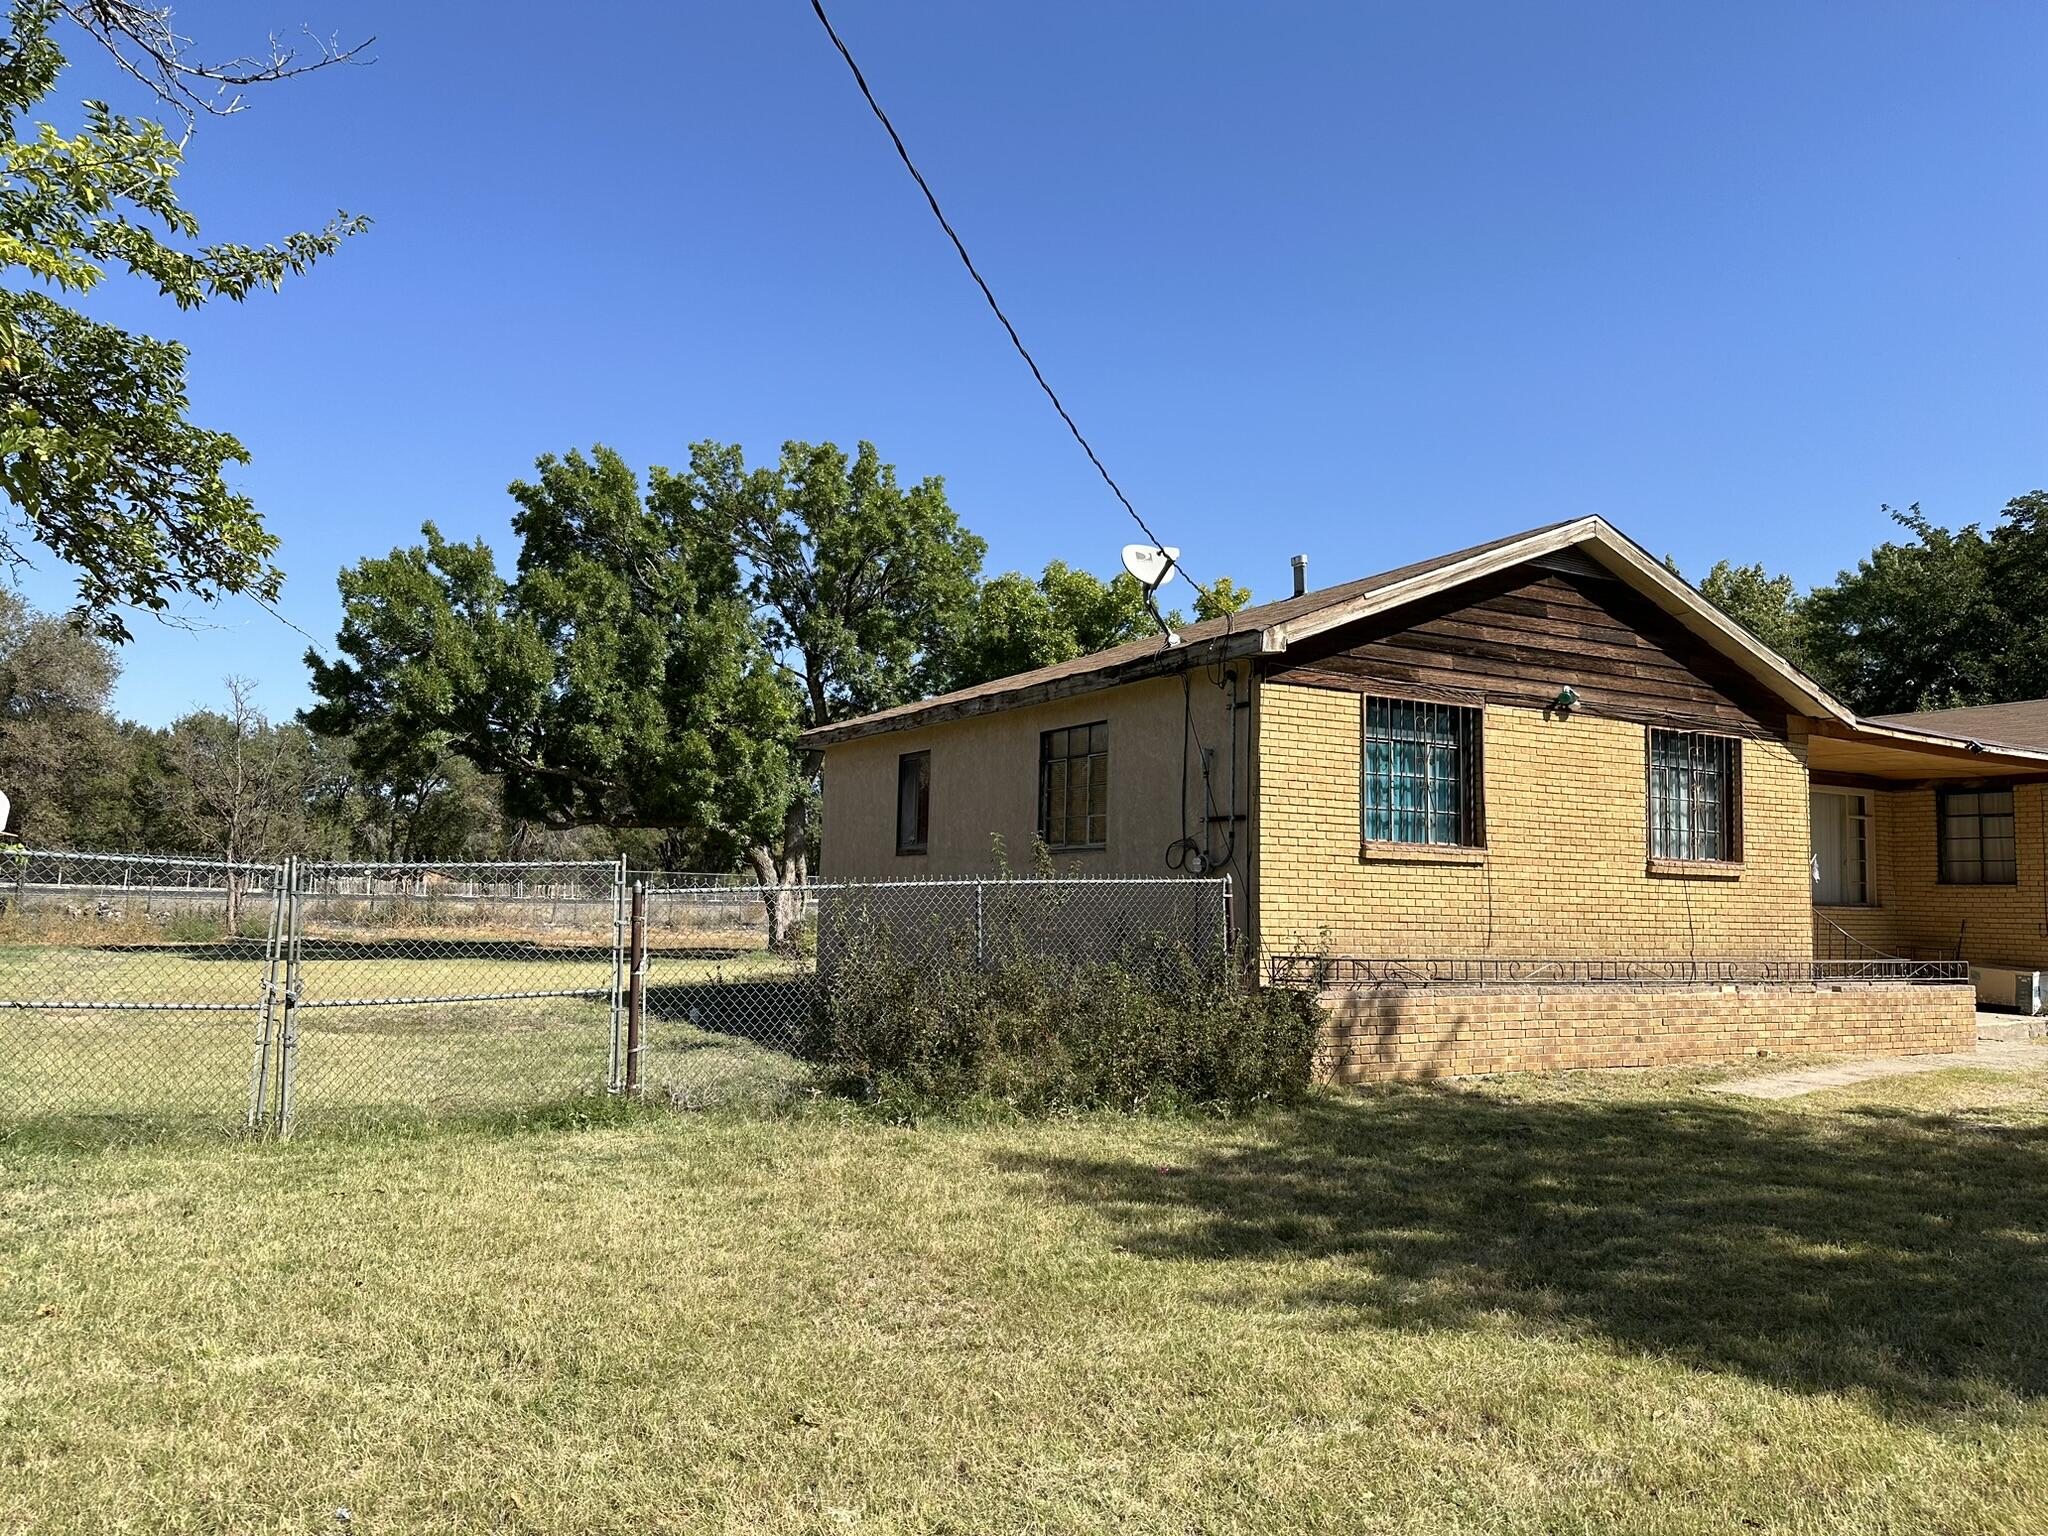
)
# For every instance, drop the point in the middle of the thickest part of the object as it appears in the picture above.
(1979, 845)
(1073, 786)
(1695, 785)
(1423, 774)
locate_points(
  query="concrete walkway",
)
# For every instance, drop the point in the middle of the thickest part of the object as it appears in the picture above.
(1995, 1054)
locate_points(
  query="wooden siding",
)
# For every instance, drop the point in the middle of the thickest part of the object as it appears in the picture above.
(1519, 637)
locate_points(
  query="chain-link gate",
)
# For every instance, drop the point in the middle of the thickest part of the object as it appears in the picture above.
(130, 985)
(430, 988)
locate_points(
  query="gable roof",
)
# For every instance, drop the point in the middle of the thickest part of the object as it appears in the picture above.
(1270, 628)
(2022, 723)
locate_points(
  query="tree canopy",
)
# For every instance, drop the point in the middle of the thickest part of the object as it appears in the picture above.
(617, 679)
(98, 459)
(1939, 619)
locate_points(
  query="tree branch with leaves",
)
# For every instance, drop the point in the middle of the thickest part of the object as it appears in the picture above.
(98, 458)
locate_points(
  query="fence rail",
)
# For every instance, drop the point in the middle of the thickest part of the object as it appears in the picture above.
(1490, 970)
(309, 991)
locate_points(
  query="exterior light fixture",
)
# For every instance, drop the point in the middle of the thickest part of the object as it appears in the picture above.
(1566, 701)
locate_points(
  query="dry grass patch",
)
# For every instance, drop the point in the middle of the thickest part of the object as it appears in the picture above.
(1612, 1305)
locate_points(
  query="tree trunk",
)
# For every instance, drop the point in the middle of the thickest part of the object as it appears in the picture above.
(782, 874)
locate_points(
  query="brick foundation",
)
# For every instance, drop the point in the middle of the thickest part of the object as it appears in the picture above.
(1373, 1033)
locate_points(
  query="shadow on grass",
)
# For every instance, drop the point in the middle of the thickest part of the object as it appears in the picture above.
(771, 1012)
(1897, 1256)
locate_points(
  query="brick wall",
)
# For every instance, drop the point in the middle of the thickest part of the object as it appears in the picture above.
(1564, 871)
(1374, 1033)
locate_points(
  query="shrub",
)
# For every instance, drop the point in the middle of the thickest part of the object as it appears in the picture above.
(1155, 1030)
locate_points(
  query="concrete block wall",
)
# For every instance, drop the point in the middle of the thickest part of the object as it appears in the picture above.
(1565, 870)
(1394, 1033)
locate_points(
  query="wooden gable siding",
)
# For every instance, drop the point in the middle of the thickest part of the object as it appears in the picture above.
(1519, 637)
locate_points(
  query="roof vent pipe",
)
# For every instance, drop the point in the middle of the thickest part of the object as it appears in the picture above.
(1300, 574)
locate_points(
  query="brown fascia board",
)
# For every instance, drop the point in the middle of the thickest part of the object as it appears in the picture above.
(1165, 661)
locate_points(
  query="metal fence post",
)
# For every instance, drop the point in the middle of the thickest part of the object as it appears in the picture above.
(980, 926)
(266, 1024)
(615, 1081)
(636, 997)
(294, 973)
(1229, 946)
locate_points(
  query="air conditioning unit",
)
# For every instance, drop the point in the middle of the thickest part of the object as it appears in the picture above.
(2004, 986)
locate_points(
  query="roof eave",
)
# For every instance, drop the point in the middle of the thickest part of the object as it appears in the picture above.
(1166, 660)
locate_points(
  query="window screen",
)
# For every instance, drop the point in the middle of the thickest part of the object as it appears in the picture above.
(1422, 775)
(1695, 788)
(1073, 786)
(1977, 840)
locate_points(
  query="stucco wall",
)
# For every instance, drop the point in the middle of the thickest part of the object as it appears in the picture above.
(1913, 913)
(1564, 871)
(984, 782)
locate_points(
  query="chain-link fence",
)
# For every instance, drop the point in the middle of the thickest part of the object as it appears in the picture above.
(310, 992)
(132, 987)
(734, 977)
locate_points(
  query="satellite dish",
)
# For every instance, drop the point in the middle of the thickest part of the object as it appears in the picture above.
(1152, 564)
(5, 807)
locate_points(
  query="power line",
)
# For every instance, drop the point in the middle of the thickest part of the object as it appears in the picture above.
(903, 154)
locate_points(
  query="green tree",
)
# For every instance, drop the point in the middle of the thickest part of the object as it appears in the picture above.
(1768, 606)
(2016, 580)
(857, 585)
(617, 680)
(1222, 598)
(1917, 625)
(1017, 624)
(98, 460)
(64, 762)
(237, 785)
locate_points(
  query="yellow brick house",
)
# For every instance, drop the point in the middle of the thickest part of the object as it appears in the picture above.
(1533, 803)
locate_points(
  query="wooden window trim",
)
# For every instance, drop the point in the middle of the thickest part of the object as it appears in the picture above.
(1045, 778)
(920, 842)
(1869, 819)
(1942, 874)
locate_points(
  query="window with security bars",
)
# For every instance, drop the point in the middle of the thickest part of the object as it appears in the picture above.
(1073, 786)
(1978, 845)
(1695, 795)
(1423, 775)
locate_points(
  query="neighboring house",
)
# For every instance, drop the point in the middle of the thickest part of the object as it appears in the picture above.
(1542, 749)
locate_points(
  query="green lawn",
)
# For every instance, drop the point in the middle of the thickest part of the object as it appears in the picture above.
(1575, 1304)
(720, 1026)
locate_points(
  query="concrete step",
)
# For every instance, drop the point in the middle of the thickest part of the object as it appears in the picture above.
(2010, 1026)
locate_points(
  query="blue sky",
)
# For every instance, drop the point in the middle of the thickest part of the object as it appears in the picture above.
(1365, 281)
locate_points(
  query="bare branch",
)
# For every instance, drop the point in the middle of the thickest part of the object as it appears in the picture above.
(145, 44)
